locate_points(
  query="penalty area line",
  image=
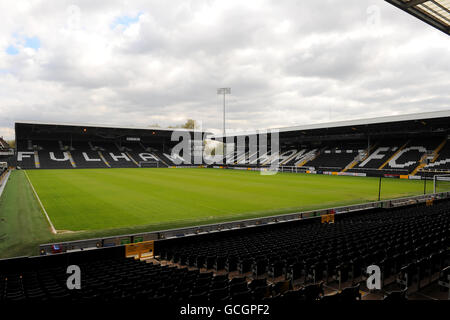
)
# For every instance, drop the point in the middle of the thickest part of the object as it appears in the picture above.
(42, 206)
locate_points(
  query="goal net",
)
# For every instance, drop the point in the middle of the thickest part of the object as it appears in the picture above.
(149, 164)
(441, 183)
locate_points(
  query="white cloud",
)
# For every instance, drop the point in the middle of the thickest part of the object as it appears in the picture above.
(287, 63)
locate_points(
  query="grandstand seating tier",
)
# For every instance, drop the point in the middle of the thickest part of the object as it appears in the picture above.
(394, 157)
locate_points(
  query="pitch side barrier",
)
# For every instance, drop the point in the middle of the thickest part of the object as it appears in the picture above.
(300, 217)
(310, 170)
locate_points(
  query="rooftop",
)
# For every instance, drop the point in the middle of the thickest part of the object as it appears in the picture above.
(434, 12)
(352, 123)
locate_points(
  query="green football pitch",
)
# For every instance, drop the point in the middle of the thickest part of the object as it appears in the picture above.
(86, 203)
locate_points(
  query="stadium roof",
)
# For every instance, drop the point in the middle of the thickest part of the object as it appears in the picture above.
(386, 123)
(64, 124)
(360, 122)
(367, 121)
(433, 12)
(48, 130)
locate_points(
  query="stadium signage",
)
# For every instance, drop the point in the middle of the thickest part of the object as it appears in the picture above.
(86, 157)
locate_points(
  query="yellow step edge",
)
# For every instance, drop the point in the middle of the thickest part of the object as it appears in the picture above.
(420, 166)
(438, 149)
(72, 162)
(436, 155)
(355, 162)
(301, 164)
(103, 158)
(391, 157)
(132, 159)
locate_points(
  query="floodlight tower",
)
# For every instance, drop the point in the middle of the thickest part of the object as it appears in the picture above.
(224, 92)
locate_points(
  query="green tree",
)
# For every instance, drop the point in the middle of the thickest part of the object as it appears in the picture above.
(190, 124)
(12, 143)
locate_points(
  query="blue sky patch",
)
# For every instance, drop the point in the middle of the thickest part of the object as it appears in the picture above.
(27, 42)
(12, 50)
(125, 20)
(32, 42)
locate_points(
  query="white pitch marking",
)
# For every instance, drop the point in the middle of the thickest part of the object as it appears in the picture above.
(42, 206)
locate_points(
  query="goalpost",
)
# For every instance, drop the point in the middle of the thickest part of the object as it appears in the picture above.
(441, 183)
(149, 164)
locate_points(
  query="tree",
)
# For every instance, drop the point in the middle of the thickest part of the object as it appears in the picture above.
(12, 143)
(190, 124)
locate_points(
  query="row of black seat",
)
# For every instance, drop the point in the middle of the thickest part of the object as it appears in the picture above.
(394, 157)
(86, 154)
(129, 279)
(416, 238)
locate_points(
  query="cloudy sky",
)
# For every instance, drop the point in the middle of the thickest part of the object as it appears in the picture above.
(149, 62)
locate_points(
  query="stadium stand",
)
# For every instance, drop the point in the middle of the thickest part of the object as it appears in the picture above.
(2, 172)
(136, 152)
(440, 163)
(150, 153)
(299, 158)
(410, 155)
(394, 157)
(51, 156)
(4, 145)
(84, 156)
(6, 152)
(115, 157)
(382, 152)
(282, 263)
(390, 157)
(394, 146)
(336, 158)
(165, 158)
(25, 155)
(409, 242)
(397, 145)
(58, 146)
(87, 155)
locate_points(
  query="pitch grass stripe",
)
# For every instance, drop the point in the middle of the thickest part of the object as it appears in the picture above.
(98, 199)
(42, 206)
